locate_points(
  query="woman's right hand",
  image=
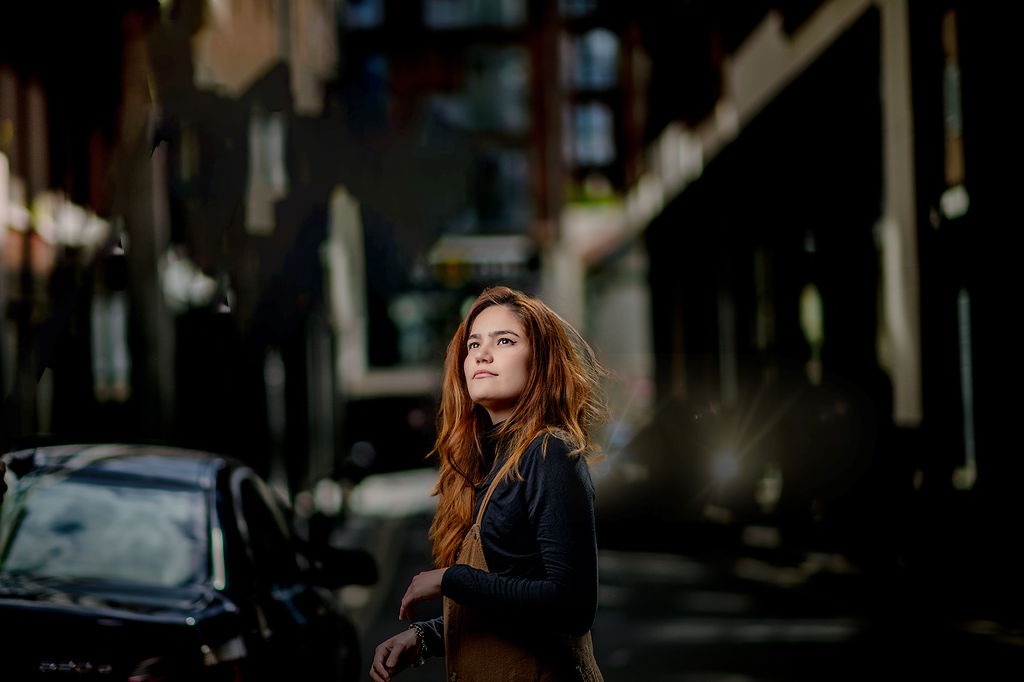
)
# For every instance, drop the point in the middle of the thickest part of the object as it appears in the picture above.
(394, 655)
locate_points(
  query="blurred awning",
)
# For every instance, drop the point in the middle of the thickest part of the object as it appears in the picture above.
(457, 258)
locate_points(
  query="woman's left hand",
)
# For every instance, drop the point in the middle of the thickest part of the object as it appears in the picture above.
(423, 587)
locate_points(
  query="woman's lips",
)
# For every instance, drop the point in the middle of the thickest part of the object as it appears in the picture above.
(483, 373)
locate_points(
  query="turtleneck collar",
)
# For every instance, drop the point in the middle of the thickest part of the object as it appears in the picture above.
(489, 442)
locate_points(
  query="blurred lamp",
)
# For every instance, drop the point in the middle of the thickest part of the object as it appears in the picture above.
(724, 466)
(328, 497)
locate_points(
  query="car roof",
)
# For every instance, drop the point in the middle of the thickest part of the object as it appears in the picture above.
(154, 464)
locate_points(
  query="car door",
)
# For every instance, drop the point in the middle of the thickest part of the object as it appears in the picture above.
(293, 619)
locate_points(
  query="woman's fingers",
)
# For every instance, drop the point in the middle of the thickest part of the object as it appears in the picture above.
(423, 587)
(407, 609)
(393, 656)
(379, 671)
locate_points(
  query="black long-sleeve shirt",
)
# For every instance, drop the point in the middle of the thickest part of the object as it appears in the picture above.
(540, 544)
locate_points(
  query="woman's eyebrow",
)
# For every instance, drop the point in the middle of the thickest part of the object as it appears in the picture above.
(499, 332)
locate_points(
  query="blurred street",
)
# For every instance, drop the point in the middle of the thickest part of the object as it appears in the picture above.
(727, 615)
(249, 228)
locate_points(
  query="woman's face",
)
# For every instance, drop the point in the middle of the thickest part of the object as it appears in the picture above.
(497, 361)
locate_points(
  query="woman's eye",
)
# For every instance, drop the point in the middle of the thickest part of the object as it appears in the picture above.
(472, 345)
(504, 341)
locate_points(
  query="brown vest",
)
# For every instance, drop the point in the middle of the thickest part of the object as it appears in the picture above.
(477, 651)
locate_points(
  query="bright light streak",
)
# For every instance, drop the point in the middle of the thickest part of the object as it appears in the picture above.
(217, 550)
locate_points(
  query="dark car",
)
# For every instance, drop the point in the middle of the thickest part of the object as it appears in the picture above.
(144, 563)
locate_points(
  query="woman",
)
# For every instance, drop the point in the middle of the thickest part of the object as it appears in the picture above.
(513, 536)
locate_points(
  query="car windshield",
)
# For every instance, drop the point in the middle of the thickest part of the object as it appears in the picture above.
(90, 530)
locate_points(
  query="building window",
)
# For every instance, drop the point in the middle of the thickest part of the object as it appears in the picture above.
(594, 60)
(111, 361)
(497, 88)
(441, 14)
(364, 13)
(576, 8)
(593, 134)
(501, 190)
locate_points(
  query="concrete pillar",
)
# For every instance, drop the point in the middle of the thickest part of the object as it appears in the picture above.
(899, 217)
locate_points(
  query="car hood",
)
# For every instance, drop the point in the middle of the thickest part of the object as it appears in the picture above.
(101, 599)
(57, 623)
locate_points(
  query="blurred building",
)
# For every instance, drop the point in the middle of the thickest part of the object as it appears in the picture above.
(527, 108)
(819, 206)
(64, 125)
(287, 205)
(162, 273)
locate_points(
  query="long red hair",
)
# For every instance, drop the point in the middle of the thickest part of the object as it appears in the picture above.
(562, 397)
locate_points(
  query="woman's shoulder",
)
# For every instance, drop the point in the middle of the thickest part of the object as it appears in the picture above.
(550, 449)
(552, 463)
(550, 441)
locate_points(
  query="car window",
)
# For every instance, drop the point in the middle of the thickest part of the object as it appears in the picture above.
(272, 550)
(85, 529)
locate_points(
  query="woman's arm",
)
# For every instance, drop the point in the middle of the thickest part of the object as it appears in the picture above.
(558, 495)
(424, 586)
(405, 649)
(394, 655)
(433, 636)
